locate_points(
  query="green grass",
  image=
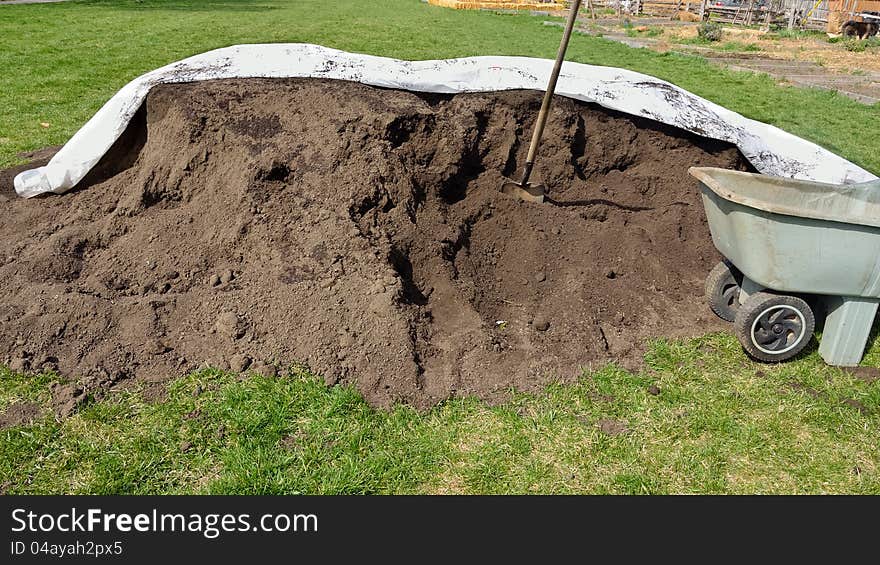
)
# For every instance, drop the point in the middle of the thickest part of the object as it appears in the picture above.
(861, 45)
(784, 33)
(739, 46)
(854, 44)
(647, 31)
(721, 423)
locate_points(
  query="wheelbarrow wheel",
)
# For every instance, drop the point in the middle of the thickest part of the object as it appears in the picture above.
(774, 327)
(722, 290)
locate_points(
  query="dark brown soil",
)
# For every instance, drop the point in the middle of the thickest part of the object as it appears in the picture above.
(360, 231)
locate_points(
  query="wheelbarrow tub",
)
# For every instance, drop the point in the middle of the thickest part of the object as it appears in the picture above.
(796, 236)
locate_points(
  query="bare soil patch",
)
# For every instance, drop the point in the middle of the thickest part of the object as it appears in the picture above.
(19, 414)
(247, 224)
(867, 374)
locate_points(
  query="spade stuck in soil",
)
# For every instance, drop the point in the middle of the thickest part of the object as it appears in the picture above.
(537, 191)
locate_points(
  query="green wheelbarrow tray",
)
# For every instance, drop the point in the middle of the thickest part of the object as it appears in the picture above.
(792, 238)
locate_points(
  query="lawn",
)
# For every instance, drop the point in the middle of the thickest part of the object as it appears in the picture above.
(699, 417)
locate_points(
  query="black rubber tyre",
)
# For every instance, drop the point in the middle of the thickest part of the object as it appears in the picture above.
(722, 290)
(774, 327)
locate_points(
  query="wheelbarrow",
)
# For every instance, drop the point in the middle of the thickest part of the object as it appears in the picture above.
(790, 247)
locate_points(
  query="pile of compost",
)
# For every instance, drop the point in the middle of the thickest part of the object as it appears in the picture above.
(250, 224)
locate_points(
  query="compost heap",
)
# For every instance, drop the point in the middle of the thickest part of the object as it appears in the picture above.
(251, 224)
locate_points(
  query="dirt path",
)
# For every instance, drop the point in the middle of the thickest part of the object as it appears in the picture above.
(239, 224)
(864, 87)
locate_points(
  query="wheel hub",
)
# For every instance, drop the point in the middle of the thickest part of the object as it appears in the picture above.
(777, 329)
(774, 327)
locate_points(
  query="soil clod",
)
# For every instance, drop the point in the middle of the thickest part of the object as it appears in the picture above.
(265, 369)
(19, 365)
(66, 399)
(20, 414)
(541, 324)
(853, 403)
(612, 427)
(230, 325)
(239, 363)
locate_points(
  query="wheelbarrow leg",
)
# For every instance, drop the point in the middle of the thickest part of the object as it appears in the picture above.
(847, 325)
(747, 288)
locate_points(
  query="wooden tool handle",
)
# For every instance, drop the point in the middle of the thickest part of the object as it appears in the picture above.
(548, 95)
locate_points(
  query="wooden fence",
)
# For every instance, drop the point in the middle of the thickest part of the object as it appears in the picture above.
(825, 15)
(800, 14)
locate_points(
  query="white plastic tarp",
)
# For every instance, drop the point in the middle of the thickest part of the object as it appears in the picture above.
(771, 150)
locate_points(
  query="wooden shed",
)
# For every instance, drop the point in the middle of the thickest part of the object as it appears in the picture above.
(855, 6)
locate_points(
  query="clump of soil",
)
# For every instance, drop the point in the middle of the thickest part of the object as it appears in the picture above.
(867, 374)
(613, 427)
(19, 414)
(247, 223)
